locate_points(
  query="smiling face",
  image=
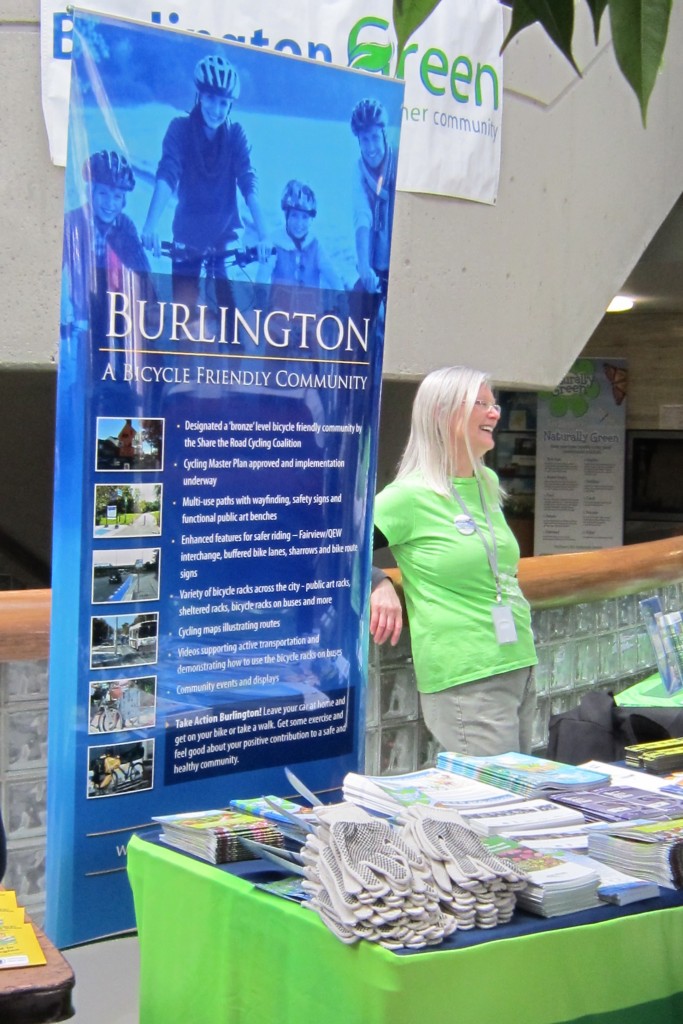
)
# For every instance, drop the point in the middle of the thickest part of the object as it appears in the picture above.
(478, 430)
(373, 146)
(298, 224)
(214, 109)
(107, 202)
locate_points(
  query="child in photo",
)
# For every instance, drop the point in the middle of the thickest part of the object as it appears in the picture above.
(102, 249)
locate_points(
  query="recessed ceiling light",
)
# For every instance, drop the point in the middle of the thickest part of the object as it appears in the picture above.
(620, 304)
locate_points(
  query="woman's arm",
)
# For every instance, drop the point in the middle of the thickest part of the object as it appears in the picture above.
(386, 614)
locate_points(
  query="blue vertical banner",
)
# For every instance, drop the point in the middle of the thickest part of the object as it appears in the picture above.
(227, 231)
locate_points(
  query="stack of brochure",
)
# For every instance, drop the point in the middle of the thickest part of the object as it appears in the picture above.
(555, 885)
(19, 946)
(430, 788)
(527, 814)
(294, 820)
(615, 886)
(216, 835)
(653, 850)
(622, 803)
(522, 773)
(660, 757)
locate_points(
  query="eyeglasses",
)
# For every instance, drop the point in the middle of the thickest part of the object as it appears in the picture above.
(489, 406)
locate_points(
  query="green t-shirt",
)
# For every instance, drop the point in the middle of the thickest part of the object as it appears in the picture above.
(448, 583)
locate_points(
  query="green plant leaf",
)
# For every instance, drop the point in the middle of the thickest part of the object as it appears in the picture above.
(555, 16)
(597, 9)
(639, 31)
(408, 16)
(372, 57)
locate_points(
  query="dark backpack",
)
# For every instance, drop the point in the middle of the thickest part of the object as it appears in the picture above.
(598, 729)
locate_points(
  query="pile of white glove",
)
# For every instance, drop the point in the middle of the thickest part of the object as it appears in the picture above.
(405, 886)
(477, 887)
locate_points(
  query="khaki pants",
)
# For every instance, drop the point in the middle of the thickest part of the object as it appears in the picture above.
(485, 717)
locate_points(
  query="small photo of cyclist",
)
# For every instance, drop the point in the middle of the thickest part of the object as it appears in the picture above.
(120, 768)
(120, 704)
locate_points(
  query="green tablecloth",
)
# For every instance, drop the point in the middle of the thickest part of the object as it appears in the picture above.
(213, 949)
(649, 693)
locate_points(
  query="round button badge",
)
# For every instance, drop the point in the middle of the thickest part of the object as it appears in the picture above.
(464, 525)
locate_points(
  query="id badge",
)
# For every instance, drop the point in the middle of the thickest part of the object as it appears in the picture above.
(504, 624)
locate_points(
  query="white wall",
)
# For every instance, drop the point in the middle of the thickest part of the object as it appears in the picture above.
(517, 288)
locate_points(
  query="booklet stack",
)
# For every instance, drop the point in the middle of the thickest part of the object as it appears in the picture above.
(524, 774)
(19, 946)
(652, 851)
(430, 787)
(216, 835)
(294, 820)
(660, 757)
(555, 885)
(622, 803)
(615, 887)
(527, 814)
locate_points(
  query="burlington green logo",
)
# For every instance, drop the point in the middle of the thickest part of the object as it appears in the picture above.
(369, 56)
(462, 77)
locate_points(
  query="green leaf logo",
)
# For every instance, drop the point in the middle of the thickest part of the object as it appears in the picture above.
(372, 57)
(575, 392)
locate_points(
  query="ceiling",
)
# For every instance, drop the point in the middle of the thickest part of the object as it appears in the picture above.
(656, 282)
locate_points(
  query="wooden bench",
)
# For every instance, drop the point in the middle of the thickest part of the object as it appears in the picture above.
(37, 995)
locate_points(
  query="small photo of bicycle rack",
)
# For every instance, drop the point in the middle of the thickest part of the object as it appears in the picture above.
(116, 769)
(119, 704)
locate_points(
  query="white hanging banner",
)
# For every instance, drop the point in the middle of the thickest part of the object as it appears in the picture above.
(452, 67)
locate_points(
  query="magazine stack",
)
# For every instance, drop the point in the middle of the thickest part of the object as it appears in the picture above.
(216, 835)
(652, 851)
(555, 885)
(430, 787)
(521, 773)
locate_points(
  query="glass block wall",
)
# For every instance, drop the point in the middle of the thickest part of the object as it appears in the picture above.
(597, 645)
(23, 778)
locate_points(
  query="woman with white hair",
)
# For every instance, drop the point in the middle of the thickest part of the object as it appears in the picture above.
(470, 625)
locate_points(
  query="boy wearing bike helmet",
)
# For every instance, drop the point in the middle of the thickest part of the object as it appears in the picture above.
(299, 257)
(204, 160)
(102, 249)
(301, 269)
(373, 193)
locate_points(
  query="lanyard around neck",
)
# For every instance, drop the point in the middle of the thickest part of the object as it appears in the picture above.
(492, 548)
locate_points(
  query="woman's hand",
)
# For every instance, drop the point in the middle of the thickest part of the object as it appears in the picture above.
(386, 615)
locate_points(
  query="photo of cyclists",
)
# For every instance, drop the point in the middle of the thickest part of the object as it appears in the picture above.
(120, 768)
(125, 574)
(125, 444)
(120, 704)
(124, 640)
(229, 173)
(131, 510)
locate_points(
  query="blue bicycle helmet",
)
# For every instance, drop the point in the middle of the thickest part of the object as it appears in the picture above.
(215, 74)
(109, 168)
(298, 196)
(367, 114)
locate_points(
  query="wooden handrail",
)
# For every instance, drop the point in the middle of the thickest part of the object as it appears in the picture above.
(547, 581)
(551, 580)
(24, 625)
